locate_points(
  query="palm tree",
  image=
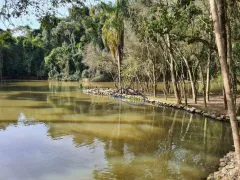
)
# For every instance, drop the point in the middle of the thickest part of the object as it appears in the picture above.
(113, 33)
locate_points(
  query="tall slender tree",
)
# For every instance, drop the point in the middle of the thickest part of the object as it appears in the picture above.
(113, 34)
(225, 77)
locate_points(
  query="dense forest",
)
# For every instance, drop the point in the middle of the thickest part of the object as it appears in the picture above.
(130, 41)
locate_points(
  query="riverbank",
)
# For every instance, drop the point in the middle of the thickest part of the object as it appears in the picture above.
(191, 108)
(215, 110)
(227, 170)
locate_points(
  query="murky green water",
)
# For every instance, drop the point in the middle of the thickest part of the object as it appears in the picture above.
(51, 131)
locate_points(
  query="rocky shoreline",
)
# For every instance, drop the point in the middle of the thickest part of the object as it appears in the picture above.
(228, 166)
(111, 93)
(228, 169)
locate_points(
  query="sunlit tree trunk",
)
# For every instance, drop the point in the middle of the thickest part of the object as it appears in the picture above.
(207, 90)
(194, 96)
(204, 85)
(165, 91)
(173, 73)
(154, 79)
(183, 85)
(225, 78)
(208, 77)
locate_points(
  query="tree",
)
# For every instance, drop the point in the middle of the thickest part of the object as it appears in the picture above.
(58, 62)
(113, 33)
(225, 77)
(100, 63)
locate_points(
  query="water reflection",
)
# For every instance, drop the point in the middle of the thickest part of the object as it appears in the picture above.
(181, 148)
(88, 137)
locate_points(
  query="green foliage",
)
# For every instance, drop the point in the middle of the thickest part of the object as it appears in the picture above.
(58, 62)
(88, 42)
(22, 56)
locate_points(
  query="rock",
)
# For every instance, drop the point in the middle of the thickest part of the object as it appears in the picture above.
(233, 172)
(210, 177)
(224, 171)
(238, 118)
(206, 114)
(222, 164)
(222, 116)
(213, 116)
(198, 111)
(219, 118)
(223, 159)
(231, 166)
(192, 109)
(228, 169)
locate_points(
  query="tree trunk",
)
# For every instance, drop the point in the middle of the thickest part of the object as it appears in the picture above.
(208, 76)
(224, 97)
(119, 70)
(183, 88)
(226, 82)
(173, 73)
(204, 86)
(222, 25)
(165, 91)
(154, 80)
(194, 96)
(120, 56)
(231, 63)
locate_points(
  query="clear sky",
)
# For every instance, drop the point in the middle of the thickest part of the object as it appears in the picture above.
(31, 20)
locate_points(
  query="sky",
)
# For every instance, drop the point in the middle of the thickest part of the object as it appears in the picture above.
(31, 20)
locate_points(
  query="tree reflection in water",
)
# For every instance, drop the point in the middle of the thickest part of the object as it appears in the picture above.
(139, 142)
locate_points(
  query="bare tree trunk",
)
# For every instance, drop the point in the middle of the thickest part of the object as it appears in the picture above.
(173, 73)
(183, 85)
(225, 78)
(208, 76)
(154, 80)
(194, 96)
(165, 91)
(204, 86)
(183, 90)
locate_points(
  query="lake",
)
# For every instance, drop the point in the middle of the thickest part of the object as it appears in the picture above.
(52, 131)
